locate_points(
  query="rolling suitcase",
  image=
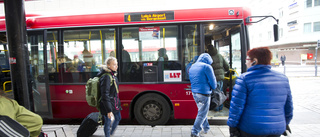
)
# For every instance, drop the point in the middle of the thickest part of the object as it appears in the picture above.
(89, 125)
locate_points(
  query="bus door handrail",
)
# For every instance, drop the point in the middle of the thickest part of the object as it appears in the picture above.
(4, 86)
(231, 70)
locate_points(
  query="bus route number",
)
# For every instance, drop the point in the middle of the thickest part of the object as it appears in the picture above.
(188, 93)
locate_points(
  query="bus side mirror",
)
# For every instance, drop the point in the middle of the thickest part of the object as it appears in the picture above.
(275, 32)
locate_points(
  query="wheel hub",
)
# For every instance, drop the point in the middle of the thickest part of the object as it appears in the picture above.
(151, 111)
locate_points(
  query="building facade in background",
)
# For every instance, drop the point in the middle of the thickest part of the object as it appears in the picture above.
(299, 29)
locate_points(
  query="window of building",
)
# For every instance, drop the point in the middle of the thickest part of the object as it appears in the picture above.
(260, 37)
(307, 27)
(308, 3)
(280, 32)
(280, 13)
(316, 2)
(316, 26)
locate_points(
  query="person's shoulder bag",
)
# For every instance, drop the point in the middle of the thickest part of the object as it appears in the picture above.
(217, 98)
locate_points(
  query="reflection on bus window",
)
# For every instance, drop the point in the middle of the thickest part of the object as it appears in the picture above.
(236, 52)
(81, 55)
(147, 46)
(191, 49)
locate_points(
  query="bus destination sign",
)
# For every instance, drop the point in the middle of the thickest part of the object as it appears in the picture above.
(149, 16)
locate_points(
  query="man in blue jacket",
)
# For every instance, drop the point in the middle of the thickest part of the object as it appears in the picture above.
(261, 103)
(202, 82)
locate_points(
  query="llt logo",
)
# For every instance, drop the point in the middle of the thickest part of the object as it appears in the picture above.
(172, 75)
(175, 75)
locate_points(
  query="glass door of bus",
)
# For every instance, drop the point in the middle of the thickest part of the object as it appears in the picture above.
(5, 78)
(225, 39)
(38, 53)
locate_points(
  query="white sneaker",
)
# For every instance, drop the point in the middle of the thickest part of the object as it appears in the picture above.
(203, 132)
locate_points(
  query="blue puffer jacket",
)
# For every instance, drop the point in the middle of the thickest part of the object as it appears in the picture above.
(202, 76)
(261, 102)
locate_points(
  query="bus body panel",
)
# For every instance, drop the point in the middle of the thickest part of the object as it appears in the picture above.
(108, 19)
(68, 101)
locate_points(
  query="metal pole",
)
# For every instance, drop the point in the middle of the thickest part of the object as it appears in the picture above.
(17, 41)
(315, 58)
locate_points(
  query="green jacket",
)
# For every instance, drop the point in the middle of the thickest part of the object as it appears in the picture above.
(30, 120)
(219, 64)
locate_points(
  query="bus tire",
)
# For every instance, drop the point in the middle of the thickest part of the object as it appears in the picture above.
(152, 109)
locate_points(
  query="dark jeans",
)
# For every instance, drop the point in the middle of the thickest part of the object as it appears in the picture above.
(245, 134)
(108, 125)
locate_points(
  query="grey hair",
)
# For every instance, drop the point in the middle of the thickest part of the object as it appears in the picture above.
(109, 59)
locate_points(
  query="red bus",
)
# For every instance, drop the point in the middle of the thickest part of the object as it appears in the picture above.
(65, 51)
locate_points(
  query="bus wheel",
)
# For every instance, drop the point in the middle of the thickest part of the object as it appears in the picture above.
(152, 109)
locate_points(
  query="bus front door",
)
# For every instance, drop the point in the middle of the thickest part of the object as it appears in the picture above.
(38, 57)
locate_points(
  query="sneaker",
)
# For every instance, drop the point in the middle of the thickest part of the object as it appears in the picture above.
(192, 135)
(203, 132)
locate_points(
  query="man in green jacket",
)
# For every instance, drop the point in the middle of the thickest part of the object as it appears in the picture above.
(31, 121)
(220, 66)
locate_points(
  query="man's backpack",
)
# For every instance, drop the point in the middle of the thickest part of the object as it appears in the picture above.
(93, 93)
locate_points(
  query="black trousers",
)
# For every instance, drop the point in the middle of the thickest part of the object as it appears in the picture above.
(245, 134)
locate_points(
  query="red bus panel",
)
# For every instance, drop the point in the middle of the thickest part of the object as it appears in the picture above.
(109, 19)
(68, 101)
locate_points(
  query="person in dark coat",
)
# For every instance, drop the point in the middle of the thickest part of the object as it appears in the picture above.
(220, 66)
(261, 103)
(202, 82)
(110, 105)
(162, 53)
(283, 59)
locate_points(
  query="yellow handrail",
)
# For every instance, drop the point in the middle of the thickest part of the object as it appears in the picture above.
(164, 34)
(5, 70)
(231, 70)
(101, 44)
(114, 43)
(4, 86)
(89, 41)
(55, 53)
(194, 35)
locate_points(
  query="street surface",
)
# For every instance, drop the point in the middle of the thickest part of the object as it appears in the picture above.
(305, 122)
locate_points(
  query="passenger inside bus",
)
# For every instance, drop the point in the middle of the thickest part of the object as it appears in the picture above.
(88, 60)
(112, 54)
(64, 65)
(77, 63)
(162, 53)
(126, 64)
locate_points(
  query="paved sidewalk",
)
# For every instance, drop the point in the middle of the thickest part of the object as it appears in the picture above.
(298, 130)
(305, 122)
(158, 131)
